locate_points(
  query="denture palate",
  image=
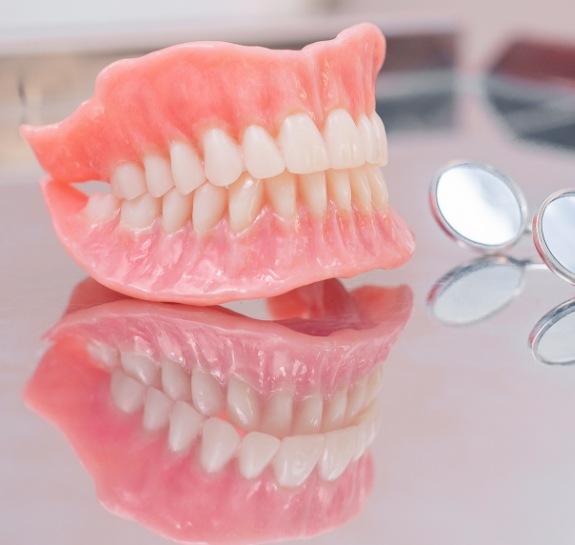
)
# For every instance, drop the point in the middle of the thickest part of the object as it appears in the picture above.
(338, 163)
(293, 435)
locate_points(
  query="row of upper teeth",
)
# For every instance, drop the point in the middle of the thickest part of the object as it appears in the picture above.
(363, 187)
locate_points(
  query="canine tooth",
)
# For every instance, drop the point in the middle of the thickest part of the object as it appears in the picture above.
(342, 140)
(338, 188)
(314, 192)
(207, 394)
(256, 452)
(302, 145)
(176, 210)
(127, 392)
(175, 381)
(243, 404)
(157, 409)
(356, 399)
(281, 191)
(141, 211)
(187, 169)
(380, 138)
(360, 191)
(158, 175)
(334, 411)
(367, 424)
(140, 367)
(246, 197)
(261, 154)
(223, 161)
(128, 181)
(277, 415)
(104, 354)
(220, 442)
(367, 136)
(308, 415)
(296, 458)
(377, 186)
(102, 206)
(209, 206)
(185, 424)
(339, 449)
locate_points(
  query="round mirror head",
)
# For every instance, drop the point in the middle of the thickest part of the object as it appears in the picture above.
(471, 293)
(478, 206)
(552, 340)
(554, 233)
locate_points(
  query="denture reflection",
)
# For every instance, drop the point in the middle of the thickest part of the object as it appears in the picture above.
(206, 425)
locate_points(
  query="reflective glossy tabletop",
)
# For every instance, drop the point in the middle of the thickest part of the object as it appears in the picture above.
(474, 440)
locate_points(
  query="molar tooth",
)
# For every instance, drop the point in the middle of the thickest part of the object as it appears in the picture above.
(367, 136)
(243, 404)
(158, 175)
(277, 415)
(338, 188)
(314, 191)
(175, 381)
(296, 458)
(185, 424)
(339, 449)
(220, 442)
(207, 393)
(374, 384)
(302, 145)
(360, 191)
(343, 140)
(157, 409)
(281, 191)
(128, 181)
(127, 392)
(209, 206)
(261, 154)
(380, 138)
(367, 425)
(140, 367)
(102, 206)
(308, 415)
(187, 169)
(176, 210)
(141, 211)
(246, 197)
(377, 186)
(334, 411)
(223, 161)
(256, 452)
(106, 355)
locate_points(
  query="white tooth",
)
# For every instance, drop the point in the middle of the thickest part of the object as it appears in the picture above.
(261, 154)
(243, 404)
(308, 415)
(156, 410)
(374, 382)
(377, 186)
(246, 197)
(314, 192)
(128, 181)
(105, 355)
(367, 424)
(102, 207)
(334, 411)
(223, 161)
(209, 206)
(207, 393)
(281, 191)
(175, 381)
(380, 138)
(185, 424)
(140, 367)
(176, 210)
(158, 175)
(338, 188)
(127, 392)
(338, 451)
(297, 458)
(367, 136)
(220, 442)
(342, 139)
(277, 416)
(256, 452)
(360, 191)
(302, 145)
(356, 399)
(141, 211)
(187, 169)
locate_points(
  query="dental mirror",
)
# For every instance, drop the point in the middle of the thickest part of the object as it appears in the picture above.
(474, 291)
(553, 233)
(478, 206)
(552, 340)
